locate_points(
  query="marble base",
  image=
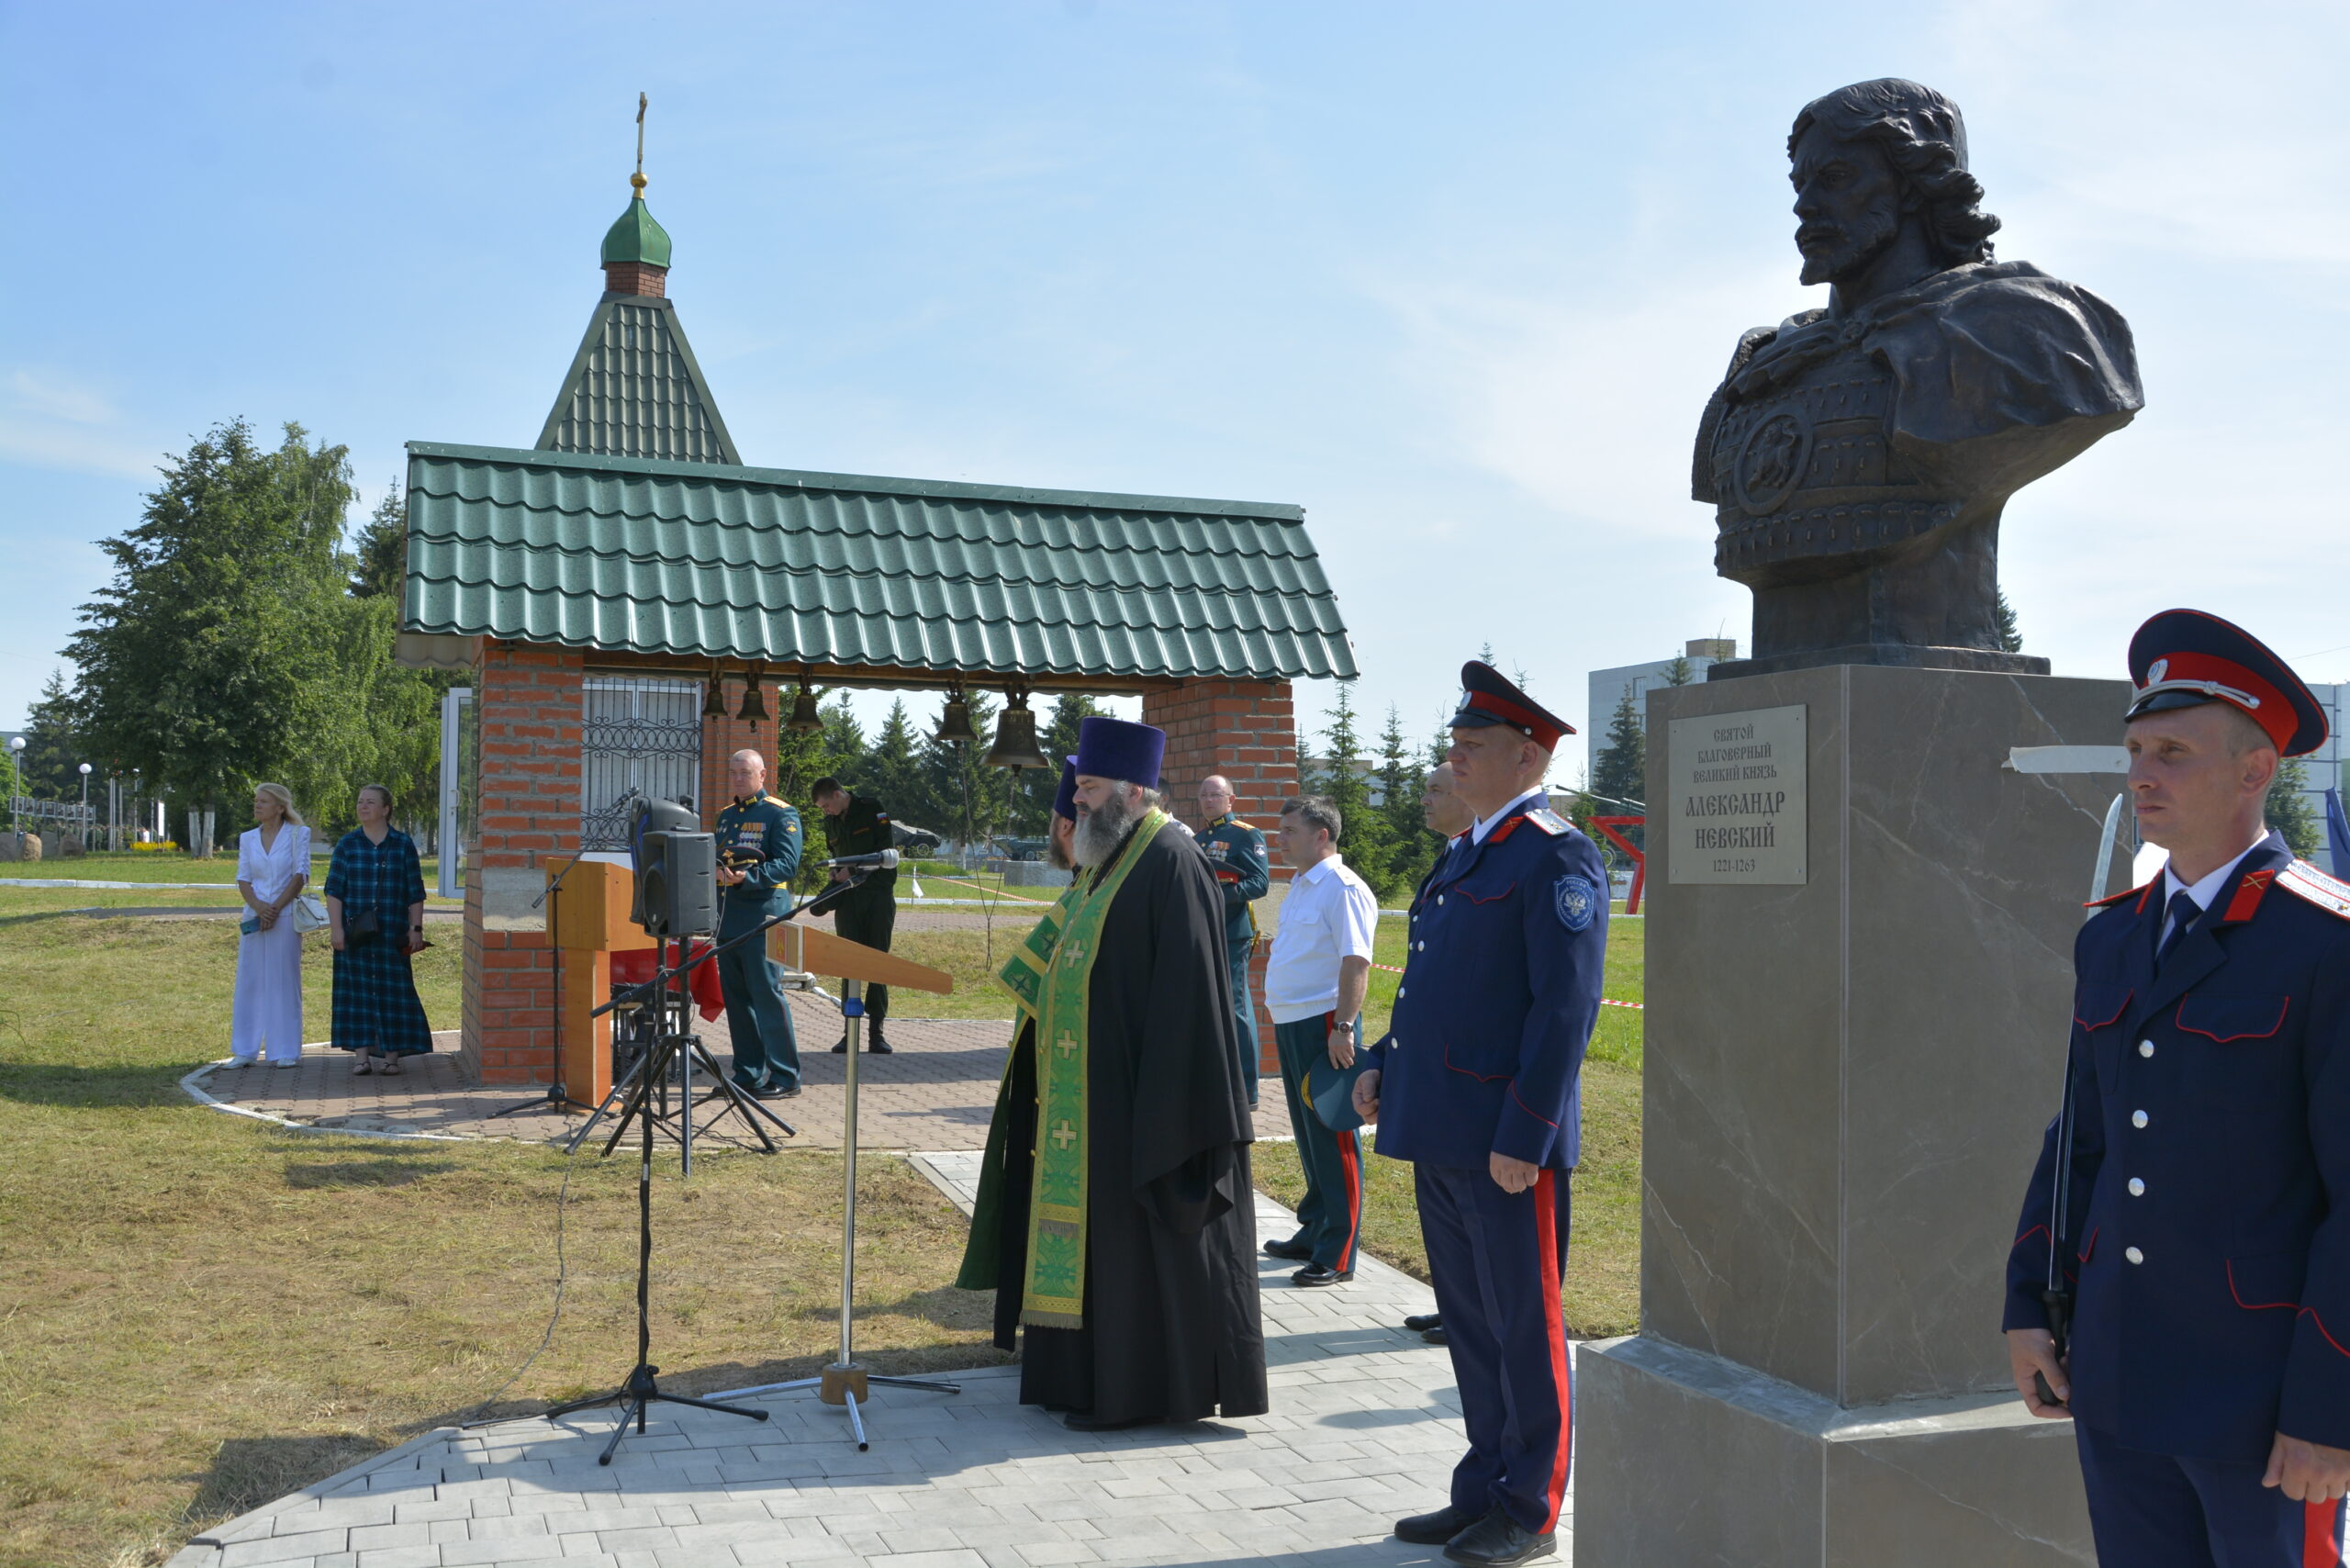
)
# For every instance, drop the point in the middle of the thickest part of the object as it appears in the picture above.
(1685, 1459)
(1901, 654)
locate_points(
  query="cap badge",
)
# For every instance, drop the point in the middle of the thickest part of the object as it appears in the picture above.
(2156, 671)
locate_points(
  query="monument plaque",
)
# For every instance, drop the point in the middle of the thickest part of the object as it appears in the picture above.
(1736, 805)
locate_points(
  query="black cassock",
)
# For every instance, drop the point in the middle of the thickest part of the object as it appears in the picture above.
(1171, 1327)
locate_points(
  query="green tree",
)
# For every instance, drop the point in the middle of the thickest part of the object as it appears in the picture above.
(2288, 811)
(1031, 803)
(213, 658)
(966, 800)
(889, 771)
(1619, 776)
(1364, 836)
(2004, 618)
(380, 566)
(1678, 672)
(1411, 848)
(51, 748)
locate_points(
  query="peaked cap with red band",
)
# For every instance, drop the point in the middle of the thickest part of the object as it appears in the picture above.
(1487, 698)
(2182, 658)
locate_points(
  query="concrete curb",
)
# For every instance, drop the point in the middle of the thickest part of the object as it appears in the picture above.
(216, 1539)
(196, 1092)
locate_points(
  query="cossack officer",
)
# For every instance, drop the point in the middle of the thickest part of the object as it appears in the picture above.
(758, 854)
(1236, 853)
(855, 825)
(1476, 1085)
(2207, 1240)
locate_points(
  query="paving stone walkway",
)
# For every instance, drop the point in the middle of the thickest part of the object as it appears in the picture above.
(1364, 1427)
(935, 1091)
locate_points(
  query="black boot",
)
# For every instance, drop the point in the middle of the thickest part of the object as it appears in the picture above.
(875, 1043)
(1499, 1541)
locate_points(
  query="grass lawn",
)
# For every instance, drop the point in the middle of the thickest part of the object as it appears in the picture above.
(202, 1312)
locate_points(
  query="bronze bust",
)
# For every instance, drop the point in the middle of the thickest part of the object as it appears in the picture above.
(1858, 456)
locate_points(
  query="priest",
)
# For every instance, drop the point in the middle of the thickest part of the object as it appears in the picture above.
(1115, 1219)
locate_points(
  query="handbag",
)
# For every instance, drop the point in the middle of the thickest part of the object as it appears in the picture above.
(308, 912)
(361, 928)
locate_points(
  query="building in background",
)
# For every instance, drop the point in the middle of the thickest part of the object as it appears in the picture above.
(1608, 685)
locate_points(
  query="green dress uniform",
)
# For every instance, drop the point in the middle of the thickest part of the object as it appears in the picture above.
(1235, 853)
(759, 837)
(870, 913)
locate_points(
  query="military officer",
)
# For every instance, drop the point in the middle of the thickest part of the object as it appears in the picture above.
(1236, 853)
(855, 825)
(2207, 1242)
(1476, 1085)
(758, 849)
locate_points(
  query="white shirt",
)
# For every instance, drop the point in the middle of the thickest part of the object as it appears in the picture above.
(269, 870)
(2203, 889)
(1328, 914)
(1487, 825)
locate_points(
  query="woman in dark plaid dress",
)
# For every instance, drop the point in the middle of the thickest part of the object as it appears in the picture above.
(376, 881)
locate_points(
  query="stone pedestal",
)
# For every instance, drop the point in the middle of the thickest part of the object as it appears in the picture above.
(1848, 1071)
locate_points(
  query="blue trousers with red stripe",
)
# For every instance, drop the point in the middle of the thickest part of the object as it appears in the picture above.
(2157, 1510)
(1493, 1258)
(1329, 1219)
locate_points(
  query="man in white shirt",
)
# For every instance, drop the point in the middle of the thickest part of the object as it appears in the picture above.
(1315, 979)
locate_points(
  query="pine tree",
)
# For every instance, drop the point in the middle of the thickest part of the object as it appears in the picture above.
(2288, 811)
(889, 771)
(381, 567)
(1620, 777)
(2004, 617)
(1411, 849)
(51, 748)
(1363, 835)
(1678, 672)
(965, 798)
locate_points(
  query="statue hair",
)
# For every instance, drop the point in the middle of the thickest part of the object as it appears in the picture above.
(1924, 137)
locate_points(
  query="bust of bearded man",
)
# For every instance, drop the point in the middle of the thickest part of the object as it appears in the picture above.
(1859, 456)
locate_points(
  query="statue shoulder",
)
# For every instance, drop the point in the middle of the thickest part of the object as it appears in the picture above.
(1752, 342)
(2036, 351)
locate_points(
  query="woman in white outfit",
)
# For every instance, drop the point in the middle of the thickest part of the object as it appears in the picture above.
(272, 866)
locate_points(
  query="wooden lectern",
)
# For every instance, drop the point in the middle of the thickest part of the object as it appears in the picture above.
(588, 922)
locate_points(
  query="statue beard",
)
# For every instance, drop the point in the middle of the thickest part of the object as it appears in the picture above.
(1856, 245)
(1102, 829)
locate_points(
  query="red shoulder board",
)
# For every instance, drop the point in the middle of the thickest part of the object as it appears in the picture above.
(2248, 895)
(2115, 898)
(2307, 881)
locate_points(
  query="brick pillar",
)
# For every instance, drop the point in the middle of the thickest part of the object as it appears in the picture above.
(722, 738)
(530, 704)
(1246, 729)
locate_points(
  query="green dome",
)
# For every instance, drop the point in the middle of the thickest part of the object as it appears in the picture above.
(637, 238)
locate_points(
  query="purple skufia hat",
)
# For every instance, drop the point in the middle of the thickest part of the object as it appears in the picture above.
(1064, 801)
(1112, 748)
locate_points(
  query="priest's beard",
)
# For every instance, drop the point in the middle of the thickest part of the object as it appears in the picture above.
(1100, 831)
(1057, 856)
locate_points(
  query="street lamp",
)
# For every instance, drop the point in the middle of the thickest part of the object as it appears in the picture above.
(85, 807)
(16, 782)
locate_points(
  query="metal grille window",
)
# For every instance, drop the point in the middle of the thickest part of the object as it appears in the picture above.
(643, 741)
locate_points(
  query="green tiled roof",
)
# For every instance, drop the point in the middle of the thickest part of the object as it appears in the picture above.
(634, 391)
(734, 563)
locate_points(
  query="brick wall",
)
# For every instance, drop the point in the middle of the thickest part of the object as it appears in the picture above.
(722, 738)
(636, 278)
(1246, 731)
(530, 705)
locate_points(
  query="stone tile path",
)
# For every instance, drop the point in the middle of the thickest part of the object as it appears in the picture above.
(935, 1091)
(1364, 1427)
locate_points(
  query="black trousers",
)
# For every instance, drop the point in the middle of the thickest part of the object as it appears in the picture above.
(869, 917)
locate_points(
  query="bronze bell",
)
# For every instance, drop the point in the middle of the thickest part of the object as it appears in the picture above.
(714, 696)
(754, 702)
(805, 720)
(954, 725)
(1015, 735)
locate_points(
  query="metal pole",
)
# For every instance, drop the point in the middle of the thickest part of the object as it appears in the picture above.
(852, 1006)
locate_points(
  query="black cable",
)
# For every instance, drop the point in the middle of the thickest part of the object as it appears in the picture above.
(562, 1279)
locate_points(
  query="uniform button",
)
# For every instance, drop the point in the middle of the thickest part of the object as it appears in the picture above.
(1440, 898)
(2134, 1255)
(2137, 1187)
(2145, 1048)
(1420, 947)
(1399, 993)
(2137, 1118)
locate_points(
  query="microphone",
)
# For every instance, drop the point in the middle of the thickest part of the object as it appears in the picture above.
(880, 860)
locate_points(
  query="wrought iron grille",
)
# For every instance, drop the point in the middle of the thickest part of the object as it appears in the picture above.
(642, 741)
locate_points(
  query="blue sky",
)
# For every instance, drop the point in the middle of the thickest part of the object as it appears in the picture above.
(1455, 277)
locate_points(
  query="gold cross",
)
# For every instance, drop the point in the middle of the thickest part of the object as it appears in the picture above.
(1066, 1045)
(1074, 953)
(1063, 1136)
(639, 181)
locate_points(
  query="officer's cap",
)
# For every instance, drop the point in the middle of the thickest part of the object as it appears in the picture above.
(2183, 658)
(1487, 697)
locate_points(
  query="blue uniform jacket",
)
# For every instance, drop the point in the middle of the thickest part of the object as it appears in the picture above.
(1484, 1050)
(2210, 1231)
(761, 838)
(1235, 853)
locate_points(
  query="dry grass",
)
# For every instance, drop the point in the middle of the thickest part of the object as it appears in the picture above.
(202, 1312)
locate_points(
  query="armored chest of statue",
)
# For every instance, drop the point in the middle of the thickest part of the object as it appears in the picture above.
(1859, 457)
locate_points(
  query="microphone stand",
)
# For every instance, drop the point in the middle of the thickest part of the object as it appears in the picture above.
(558, 1098)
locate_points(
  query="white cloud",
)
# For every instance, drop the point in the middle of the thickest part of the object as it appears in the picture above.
(52, 423)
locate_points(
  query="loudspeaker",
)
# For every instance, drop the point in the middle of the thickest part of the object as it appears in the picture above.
(677, 871)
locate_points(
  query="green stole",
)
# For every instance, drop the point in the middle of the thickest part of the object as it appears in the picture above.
(1051, 973)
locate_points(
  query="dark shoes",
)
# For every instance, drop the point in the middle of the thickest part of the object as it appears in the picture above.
(1435, 1336)
(1321, 1275)
(1421, 1322)
(1435, 1529)
(1498, 1542)
(1294, 1249)
(777, 1091)
(1079, 1421)
(877, 1045)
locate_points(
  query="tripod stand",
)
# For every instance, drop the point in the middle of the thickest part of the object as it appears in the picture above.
(641, 1390)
